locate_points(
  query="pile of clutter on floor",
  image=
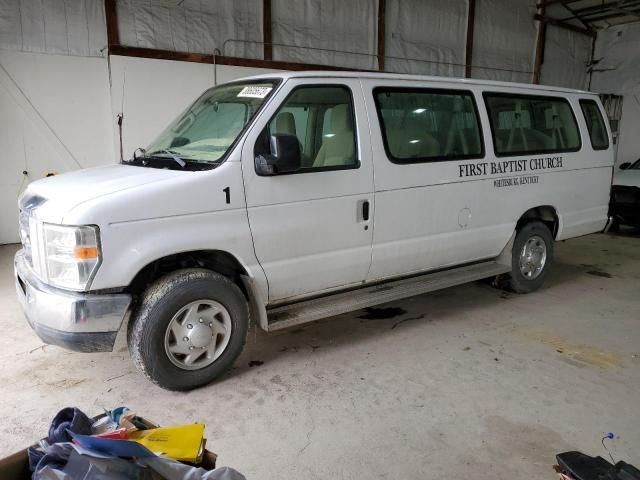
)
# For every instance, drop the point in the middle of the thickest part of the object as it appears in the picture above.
(121, 445)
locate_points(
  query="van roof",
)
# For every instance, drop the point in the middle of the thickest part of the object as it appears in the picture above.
(402, 76)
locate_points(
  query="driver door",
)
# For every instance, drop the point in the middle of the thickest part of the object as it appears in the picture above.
(312, 229)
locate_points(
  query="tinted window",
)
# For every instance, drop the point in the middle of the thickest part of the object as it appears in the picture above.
(524, 124)
(322, 119)
(595, 124)
(426, 125)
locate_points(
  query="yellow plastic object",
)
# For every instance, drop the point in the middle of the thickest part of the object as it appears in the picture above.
(184, 443)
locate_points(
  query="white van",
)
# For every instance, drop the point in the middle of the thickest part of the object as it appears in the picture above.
(291, 197)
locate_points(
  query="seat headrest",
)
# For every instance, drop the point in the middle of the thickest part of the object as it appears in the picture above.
(285, 123)
(341, 118)
(458, 105)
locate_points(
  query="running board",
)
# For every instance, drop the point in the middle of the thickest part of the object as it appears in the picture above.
(337, 304)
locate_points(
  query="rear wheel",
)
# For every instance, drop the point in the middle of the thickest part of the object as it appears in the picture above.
(189, 329)
(532, 255)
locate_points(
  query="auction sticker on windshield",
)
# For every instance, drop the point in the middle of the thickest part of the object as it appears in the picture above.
(255, 92)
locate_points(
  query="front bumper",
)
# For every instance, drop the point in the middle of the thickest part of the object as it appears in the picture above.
(83, 322)
(625, 204)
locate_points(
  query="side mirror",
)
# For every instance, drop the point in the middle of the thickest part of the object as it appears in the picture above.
(625, 165)
(284, 158)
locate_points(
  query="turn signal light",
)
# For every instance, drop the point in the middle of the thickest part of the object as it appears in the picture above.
(85, 253)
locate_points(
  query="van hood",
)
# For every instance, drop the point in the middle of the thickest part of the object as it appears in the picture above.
(58, 194)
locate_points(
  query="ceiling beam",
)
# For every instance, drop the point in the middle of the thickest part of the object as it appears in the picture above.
(627, 22)
(267, 37)
(540, 43)
(573, 12)
(567, 26)
(111, 17)
(468, 53)
(582, 13)
(382, 8)
(546, 3)
(616, 14)
(630, 12)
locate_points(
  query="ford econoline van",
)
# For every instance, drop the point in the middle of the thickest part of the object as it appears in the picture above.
(290, 197)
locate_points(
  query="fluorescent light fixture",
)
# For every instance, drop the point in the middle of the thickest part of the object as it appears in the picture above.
(329, 135)
(414, 141)
(420, 110)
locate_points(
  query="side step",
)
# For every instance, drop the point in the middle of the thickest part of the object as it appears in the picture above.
(337, 304)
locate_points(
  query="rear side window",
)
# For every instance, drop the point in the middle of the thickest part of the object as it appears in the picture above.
(595, 124)
(422, 125)
(527, 124)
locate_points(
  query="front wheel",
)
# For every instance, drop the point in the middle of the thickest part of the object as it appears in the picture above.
(189, 329)
(532, 255)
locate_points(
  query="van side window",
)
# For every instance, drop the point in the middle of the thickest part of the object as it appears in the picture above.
(322, 118)
(595, 124)
(423, 125)
(527, 124)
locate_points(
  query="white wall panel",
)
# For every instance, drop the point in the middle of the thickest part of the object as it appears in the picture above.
(433, 31)
(618, 52)
(618, 72)
(329, 24)
(192, 25)
(504, 40)
(566, 56)
(68, 27)
(54, 113)
(156, 91)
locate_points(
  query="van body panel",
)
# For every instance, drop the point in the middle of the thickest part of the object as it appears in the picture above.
(187, 213)
(305, 234)
(437, 214)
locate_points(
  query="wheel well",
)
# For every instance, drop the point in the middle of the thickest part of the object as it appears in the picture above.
(216, 260)
(545, 214)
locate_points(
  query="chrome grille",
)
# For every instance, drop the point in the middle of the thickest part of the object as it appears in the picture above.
(25, 235)
(27, 204)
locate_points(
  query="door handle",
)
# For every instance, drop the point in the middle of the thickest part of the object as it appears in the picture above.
(365, 210)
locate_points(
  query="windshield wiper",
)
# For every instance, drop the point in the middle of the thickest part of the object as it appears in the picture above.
(167, 154)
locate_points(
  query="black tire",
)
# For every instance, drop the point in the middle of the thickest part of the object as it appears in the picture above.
(516, 281)
(615, 225)
(160, 302)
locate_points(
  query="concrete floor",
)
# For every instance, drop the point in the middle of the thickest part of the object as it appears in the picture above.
(469, 382)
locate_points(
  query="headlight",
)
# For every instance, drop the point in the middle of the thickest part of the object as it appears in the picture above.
(72, 255)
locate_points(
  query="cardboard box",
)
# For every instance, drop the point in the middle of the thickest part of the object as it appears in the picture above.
(16, 466)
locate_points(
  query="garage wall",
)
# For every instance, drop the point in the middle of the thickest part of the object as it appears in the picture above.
(60, 95)
(65, 27)
(54, 95)
(192, 25)
(566, 57)
(504, 40)
(423, 37)
(617, 71)
(54, 112)
(327, 24)
(434, 41)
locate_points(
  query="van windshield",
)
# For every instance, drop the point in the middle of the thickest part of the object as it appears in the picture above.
(206, 130)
